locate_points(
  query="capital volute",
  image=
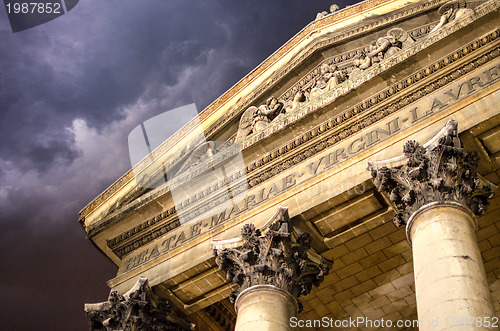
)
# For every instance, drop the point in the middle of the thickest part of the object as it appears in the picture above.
(440, 171)
(273, 255)
(138, 309)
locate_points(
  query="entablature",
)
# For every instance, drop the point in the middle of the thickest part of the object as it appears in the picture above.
(315, 154)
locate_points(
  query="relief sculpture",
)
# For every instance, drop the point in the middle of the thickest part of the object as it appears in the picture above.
(386, 46)
(257, 118)
(330, 77)
(332, 72)
(450, 12)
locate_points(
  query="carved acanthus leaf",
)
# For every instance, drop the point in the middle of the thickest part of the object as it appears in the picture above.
(437, 173)
(139, 309)
(275, 258)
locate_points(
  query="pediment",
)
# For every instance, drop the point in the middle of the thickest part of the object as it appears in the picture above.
(329, 75)
(334, 105)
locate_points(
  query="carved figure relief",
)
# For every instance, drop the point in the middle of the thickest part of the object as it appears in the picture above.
(384, 47)
(298, 99)
(321, 80)
(330, 76)
(257, 118)
(339, 69)
(450, 12)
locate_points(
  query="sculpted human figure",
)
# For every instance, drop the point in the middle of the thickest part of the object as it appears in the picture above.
(361, 62)
(379, 56)
(298, 99)
(330, 77)
(395, 40)
(338, 76)
(334, 8)
(386, 46)
(255, 119)
(321, 82)
(266, 113)
(450, 12)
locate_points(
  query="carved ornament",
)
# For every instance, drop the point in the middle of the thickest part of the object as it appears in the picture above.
(441, 171)
(137, 310)
(275, 258)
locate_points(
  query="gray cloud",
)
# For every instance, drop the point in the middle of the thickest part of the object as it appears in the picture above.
(70, 92)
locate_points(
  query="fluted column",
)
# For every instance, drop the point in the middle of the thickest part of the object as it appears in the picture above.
(437, 194)
(271, 270)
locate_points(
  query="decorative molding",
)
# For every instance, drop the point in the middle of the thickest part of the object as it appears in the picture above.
(139, 309)
(332, 138)
(330, 135)
(275, 258)
(304, 33)
(439, 171)
(369, 73)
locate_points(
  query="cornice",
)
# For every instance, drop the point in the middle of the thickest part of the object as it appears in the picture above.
(334, 130)
(368, 74)
(309, 30)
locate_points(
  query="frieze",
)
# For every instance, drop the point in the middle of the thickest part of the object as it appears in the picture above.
(352, 143)
(366, 75)
(331, 19)
(343, 61)
(362, 108)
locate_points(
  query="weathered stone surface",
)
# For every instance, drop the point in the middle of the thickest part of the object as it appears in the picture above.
(139, 309)
(439, 172)
(275, 258)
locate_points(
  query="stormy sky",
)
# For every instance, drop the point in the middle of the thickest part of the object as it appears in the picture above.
(71, 90)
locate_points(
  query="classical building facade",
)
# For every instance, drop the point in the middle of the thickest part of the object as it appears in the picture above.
(348, 182)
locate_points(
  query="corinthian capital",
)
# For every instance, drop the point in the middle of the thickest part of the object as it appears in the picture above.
(139, 309)
(439, 171)
(277, 258)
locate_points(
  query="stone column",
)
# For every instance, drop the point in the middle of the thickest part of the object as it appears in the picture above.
(271, 270)
(264, 307)
(437, 194)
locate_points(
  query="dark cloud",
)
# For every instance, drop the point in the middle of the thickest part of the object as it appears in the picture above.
(70, 92)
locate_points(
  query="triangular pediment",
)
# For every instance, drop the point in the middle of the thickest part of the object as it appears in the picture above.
(336, 64)
(341, 92)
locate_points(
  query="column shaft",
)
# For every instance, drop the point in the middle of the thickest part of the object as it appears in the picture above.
(450, 280)
(263, 308)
